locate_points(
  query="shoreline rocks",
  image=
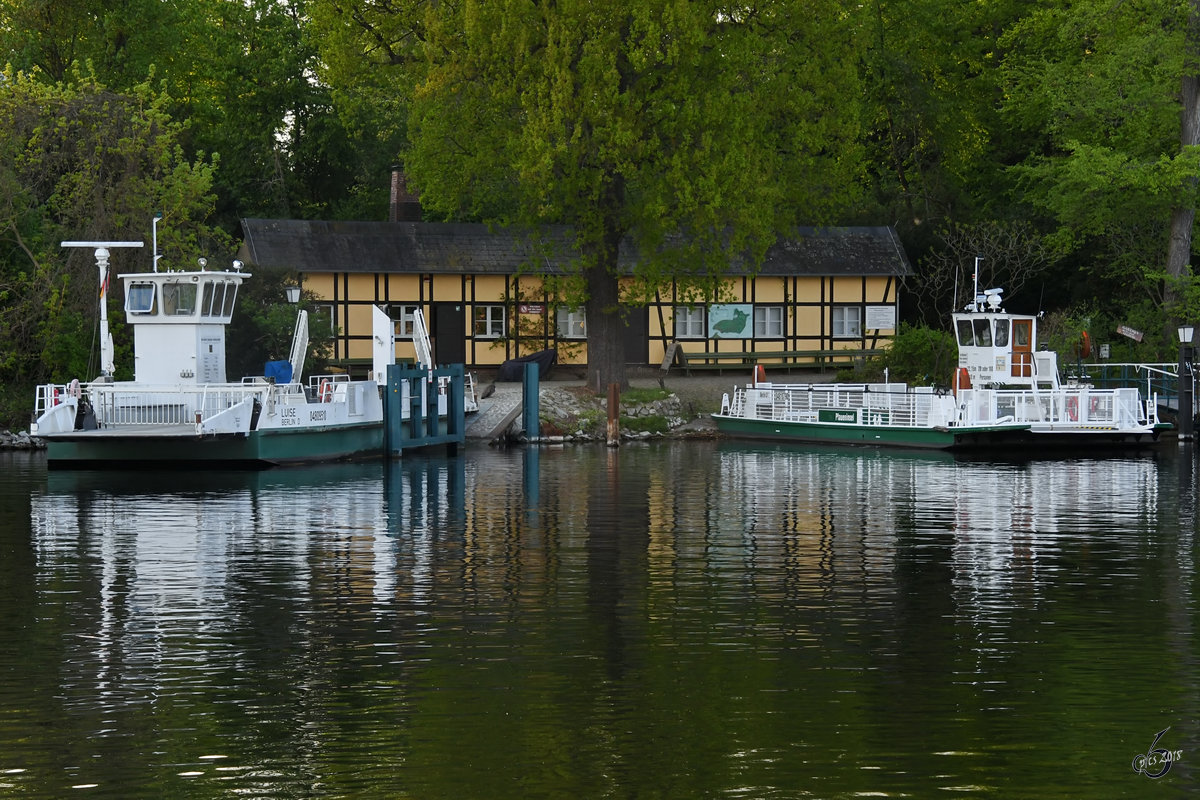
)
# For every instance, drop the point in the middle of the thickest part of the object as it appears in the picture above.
(21, 440)
(576, 415)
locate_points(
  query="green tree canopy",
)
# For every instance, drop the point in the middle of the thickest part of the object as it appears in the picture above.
(694, 130)
(79, 162)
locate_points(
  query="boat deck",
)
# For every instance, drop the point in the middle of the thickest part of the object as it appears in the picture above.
(131, 432)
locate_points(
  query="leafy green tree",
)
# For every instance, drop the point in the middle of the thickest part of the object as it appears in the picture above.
(79, 162)
(930, 83)
(694, 131)
(920, 355)
(1093, 90)
(263, 325)
(240, 72)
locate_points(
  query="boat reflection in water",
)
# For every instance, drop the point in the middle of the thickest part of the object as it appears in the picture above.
(850, 511)
(683, 619)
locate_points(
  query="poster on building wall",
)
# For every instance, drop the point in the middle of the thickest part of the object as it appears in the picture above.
(730, 321)
(881, 318)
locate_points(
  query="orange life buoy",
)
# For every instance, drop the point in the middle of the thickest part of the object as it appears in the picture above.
(1073, 408)
(325, 393)
(760, 374)
(1085, 345)
(962, 380)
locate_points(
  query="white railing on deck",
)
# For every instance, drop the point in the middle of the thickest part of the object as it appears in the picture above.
(1074, 406)
(874, 404)
(119, 405)
(895, 405)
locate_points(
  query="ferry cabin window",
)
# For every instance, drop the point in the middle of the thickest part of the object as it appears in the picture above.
(571, 323)
(1001, 329)
(1021, 333)
(689, 323)
(179, 299)
(141, 299)
(966, 334)
(847, 322)
(983, 333)
(230, 297)
(768, 322)
(212, 300)
(489, 322)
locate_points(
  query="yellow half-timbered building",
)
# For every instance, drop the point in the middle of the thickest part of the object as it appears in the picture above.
(486, 298)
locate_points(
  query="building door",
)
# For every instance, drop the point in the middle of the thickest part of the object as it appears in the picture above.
(637, 332)
(448, 330)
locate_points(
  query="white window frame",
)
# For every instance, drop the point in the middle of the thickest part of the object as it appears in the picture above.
(768, 322)
(846, 322)
(327, 308)
(571, 323)
(402, 315)
(492, 321)
(690, 323)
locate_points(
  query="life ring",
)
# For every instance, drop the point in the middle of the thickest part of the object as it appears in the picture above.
(760, 374)
(1085, 345)
(962, 380)
(73, 388)
(325, 393)
(1073, 408)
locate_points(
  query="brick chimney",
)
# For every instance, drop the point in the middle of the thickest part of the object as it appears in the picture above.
(405, 207)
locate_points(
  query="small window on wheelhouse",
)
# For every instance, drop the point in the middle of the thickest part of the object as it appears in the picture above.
(1001, 330)
(966, 334)
(212, 299)
(141, 299)
(983, 333)
(230, 297)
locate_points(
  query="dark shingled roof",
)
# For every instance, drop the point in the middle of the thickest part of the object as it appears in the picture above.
(467, 248)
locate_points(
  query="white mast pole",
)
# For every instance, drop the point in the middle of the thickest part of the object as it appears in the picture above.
(106, 343)
(154, 232)
(107, 367)
(976, 275)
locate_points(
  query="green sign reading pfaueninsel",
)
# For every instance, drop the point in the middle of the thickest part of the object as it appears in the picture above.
(848, 415)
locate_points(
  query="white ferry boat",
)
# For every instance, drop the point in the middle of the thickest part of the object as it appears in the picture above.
(1005, 392)
(179, 408)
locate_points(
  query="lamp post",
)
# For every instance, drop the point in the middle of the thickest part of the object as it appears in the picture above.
(1186, 408)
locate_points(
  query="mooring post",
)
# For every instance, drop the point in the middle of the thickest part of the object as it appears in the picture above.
(529, 402)
(614, 414)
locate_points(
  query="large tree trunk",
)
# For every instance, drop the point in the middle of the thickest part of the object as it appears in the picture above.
(605, 329)
(1179, 248)
(605, 322)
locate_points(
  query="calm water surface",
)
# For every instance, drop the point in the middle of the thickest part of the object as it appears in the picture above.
(672, 620)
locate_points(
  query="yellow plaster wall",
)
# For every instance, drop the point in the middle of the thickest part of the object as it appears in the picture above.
(770, 290)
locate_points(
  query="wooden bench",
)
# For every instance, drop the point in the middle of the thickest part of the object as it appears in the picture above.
(769, 359)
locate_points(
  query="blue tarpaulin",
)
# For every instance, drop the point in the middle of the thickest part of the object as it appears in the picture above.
(281, 371)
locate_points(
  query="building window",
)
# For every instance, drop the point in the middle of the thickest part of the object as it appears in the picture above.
(571, 323)
(847, 322)
(322, 312)
(402, 316)
(689, 323)
(768, 322)
(489, 322)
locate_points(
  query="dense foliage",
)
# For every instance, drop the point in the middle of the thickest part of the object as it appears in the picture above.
(1059, 142)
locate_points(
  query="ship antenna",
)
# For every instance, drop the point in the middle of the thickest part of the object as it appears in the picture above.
(976, 277)
(154, 236)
